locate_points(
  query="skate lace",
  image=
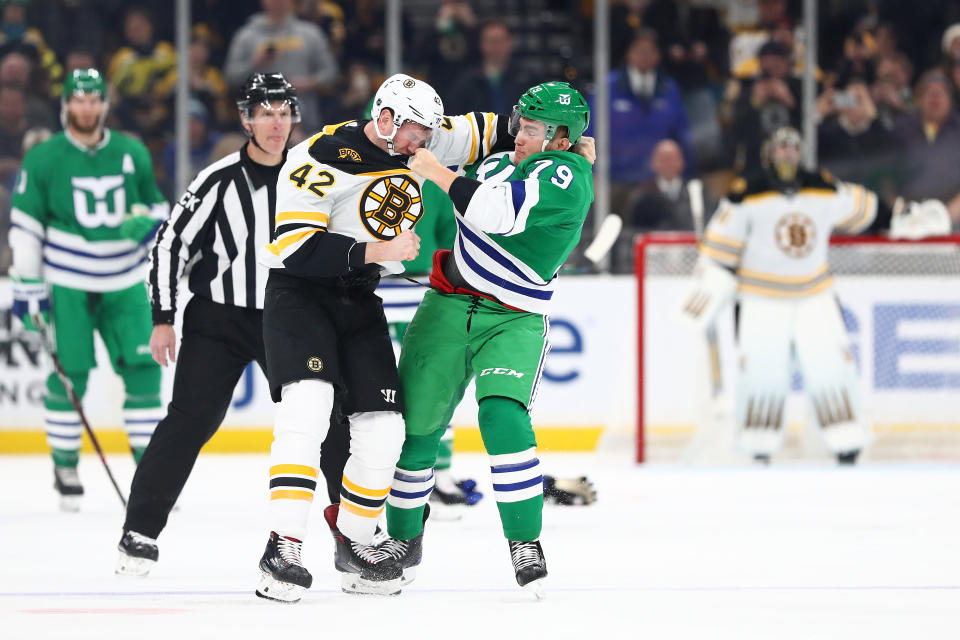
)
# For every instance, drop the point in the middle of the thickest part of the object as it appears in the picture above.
(140, 539)
(524, 554)
(365, 552)
(289, 550)
(393, 548)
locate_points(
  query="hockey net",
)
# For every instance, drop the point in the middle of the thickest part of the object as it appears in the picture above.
(901, 306)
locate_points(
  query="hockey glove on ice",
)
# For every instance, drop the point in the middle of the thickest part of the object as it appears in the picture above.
(30, 296)
(568, 491)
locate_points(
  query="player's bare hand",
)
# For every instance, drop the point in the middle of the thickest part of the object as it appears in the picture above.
(163, 344)
(587, 148)
(405, 246)
(424, 163)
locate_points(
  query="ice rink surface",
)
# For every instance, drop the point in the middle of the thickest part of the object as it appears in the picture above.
(668, 552)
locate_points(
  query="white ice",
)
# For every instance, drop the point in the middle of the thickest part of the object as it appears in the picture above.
(668, 552)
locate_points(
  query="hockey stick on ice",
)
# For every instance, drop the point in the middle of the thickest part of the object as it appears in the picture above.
(603, 241)
(695, 189)
(48, 345)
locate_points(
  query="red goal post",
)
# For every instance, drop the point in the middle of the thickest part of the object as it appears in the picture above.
(917, 279)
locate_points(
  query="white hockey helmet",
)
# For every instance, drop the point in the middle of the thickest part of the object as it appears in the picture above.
(409, 99)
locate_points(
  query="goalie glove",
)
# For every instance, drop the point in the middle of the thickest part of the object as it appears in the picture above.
(712, 288)
(920, 220)
(568, 491)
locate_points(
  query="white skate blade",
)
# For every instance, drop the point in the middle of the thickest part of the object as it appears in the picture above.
(272, 589)
(130, 566)
(70, 504)
(353, 583)
(409, 575)
(536, 587)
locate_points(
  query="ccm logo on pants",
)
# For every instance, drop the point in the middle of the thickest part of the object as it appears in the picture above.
(500, 371)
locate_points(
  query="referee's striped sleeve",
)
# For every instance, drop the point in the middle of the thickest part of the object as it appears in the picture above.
(177, 241)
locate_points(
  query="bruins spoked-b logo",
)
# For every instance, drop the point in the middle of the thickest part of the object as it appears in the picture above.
(314, 364)
(390, 205)
(795, 234)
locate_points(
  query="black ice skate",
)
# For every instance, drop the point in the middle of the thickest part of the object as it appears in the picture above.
(138, 554)
(362, 568)
(66, 481)
(407, 553)
(848, 458)
(529, 565)
(449, 497)
(284, 578)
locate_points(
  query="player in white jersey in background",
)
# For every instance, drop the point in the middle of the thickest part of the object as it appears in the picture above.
(767, 245)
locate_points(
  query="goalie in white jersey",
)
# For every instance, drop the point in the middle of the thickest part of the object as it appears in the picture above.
(767, 243)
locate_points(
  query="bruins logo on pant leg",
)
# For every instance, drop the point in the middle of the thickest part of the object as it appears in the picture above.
(390, 205)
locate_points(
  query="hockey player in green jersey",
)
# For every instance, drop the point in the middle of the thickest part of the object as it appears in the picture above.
(518, 217)
(85, 205)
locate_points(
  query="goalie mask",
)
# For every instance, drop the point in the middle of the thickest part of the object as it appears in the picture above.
(271, 91)
(410, 100)
(781, 153)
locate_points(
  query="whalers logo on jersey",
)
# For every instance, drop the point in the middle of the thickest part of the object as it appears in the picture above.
(390, 205)
(99, 201)
(795, 233)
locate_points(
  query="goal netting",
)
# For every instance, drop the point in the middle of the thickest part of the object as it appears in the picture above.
(901, 306)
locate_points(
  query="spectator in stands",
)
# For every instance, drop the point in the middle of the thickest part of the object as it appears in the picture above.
(135, 70)
(746, 44)
(626, 17)
(17, 35)
(206, 84)
(857, 62)
(930, 140)
(329, 16)
(449, 46)
(276, 40)
(762, 105)
(665, 203)
(202, 142)
(891, 90)
(645, 108)
(496, 82)
(17, 69)
(850, 132)
(951, 56)
(78, 58)
(13, 126)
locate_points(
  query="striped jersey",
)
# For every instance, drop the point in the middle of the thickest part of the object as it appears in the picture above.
(777, 241)
(521, 224)
(223, 218)
(71, 200)
(338, 189)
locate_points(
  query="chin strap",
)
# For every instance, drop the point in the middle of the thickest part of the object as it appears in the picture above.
(388, 139)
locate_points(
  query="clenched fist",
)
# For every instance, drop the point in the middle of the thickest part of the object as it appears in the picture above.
(424, 164)
(405, 246)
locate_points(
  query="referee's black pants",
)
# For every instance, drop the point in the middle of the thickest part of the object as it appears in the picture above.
(219, 341)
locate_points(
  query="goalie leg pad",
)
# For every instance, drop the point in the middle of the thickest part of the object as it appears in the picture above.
(765, 335)
(830, 374)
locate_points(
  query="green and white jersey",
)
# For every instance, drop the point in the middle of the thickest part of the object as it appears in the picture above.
(521, 224)
(70, 200)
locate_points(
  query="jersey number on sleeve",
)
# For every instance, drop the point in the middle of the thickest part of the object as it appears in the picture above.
(299, 177)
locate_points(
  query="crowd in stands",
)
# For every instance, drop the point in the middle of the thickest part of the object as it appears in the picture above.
(695, 85)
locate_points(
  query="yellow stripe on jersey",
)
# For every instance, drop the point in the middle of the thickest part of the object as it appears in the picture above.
(727, 258)
(489, 135)
(763, 195)
(362, 491)
(361, 511)
(474, 130)
(785, 293)
(388, 172)
(813, 191)
(327, 130)
(305, 216)
(727, 241)
(865, 218)
(291, 494)
(276, 248)
(858, 209)
(779, 279)
(293, 469)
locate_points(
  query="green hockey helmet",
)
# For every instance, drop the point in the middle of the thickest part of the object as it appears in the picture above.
(556, 104)
(82, 82)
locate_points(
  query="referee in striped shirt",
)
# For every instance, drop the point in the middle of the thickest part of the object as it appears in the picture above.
(225, 215)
